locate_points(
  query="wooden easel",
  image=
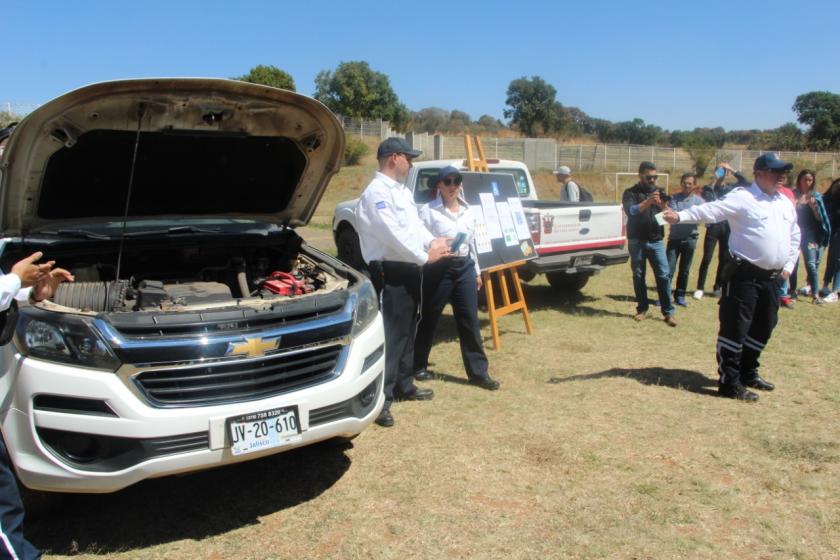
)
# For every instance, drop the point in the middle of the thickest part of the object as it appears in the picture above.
(498, 272)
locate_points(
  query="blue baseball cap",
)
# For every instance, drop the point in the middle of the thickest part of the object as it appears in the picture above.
(768, 161)
(444, 173)
(395, 145)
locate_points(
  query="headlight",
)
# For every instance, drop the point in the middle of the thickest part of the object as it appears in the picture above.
(63, 338)
(367, 306)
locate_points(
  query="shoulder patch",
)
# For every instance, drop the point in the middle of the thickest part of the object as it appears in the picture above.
(381, 205)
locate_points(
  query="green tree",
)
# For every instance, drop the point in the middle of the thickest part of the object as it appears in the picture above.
(430, 119)
(820, 111)
(355, 90)
(532, 105)
(268, 76)
(787, 137)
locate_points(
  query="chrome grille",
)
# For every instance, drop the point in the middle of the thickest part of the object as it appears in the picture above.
(240, 380)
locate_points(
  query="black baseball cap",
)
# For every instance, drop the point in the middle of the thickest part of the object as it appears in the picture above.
(768, 161)
(395, 145)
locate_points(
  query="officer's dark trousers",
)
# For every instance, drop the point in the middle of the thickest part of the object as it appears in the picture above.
(12, 542)
(451, 281)
(398, 286)
(748, 313)
(714, 233)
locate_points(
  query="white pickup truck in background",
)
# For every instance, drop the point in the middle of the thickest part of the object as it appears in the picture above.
(574, 240)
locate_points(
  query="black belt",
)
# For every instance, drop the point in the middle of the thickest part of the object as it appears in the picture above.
(394, 266)
(746, 268)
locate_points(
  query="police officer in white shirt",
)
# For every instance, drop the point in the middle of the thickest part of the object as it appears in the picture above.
(454, 280)
(764, 244)
(33, 282)
(395, 245)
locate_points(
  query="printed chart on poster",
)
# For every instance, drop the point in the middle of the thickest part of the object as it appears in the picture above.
(502, 235)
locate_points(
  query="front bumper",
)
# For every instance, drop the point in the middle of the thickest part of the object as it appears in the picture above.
(151, 442)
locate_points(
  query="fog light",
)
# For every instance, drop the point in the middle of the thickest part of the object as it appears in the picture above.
(80, 448)
(367, 396)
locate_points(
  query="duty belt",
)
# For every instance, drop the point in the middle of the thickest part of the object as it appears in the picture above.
(746, 268)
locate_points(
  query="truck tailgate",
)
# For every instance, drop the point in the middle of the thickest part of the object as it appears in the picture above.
(570, 226)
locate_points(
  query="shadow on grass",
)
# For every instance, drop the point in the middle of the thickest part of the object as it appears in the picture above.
(692, 381)
(195, 506)
(570, 303)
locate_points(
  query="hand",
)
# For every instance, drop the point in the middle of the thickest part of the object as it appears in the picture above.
(670, 216)
(46, 286)
(29, 272)
(784, 275)
(728, 167)
(478, 283)
(440, 243)
(437, 252)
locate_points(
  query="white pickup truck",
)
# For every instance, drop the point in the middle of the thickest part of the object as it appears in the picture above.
(574, 240)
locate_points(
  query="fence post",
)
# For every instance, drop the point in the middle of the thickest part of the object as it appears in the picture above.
(438, 146)
(606, 162)
(675, 159)
(580, 156)
(628, 158)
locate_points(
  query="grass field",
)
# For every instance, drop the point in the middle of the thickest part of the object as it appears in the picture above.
(607, 440)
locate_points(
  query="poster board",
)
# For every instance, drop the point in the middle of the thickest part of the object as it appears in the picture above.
(502, 232)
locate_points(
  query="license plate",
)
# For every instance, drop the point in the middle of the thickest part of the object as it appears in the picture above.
(583, 261)
(264, 430)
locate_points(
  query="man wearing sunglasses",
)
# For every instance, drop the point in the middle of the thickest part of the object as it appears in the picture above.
(395, 245)
(764, 242)
(645, 241)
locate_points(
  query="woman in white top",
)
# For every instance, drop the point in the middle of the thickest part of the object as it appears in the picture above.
(453, 280)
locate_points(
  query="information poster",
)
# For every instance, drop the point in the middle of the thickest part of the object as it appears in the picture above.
(519, 221)
(502, 235)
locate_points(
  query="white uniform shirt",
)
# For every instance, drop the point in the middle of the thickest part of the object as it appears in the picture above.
(10, 289)
(389, 226)
(443, 223)
(764, 228)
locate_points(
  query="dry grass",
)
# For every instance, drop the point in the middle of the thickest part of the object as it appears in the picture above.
(605, 441)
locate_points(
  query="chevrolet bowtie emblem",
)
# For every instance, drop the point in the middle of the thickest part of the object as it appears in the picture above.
(252, 347)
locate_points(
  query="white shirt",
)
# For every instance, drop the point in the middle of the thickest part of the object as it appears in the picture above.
(10, 289)
(763, 227)
(572, 191)
(389, 226)
(444, 223)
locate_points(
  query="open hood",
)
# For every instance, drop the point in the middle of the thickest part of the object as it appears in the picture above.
(169, 148)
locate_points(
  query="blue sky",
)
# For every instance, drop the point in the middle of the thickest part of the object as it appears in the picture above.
(673, 64)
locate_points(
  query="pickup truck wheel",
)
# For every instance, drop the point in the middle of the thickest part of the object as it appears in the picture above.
(563, 282)
(349, 250)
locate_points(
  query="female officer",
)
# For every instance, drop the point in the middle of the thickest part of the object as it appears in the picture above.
(454, 280)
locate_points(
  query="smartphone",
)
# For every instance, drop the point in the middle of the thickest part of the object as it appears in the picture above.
(456, 243)
(720, 172)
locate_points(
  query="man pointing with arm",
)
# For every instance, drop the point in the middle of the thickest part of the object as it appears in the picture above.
(764, 243)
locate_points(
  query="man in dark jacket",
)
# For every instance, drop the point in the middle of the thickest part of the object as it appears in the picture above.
(717, 233)
(645, 241)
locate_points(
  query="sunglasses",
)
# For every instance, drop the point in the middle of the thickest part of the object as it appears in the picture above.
(651, 177)
(453, 181)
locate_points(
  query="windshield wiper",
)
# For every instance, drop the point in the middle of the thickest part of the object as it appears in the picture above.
(175, 230)
(78, 233)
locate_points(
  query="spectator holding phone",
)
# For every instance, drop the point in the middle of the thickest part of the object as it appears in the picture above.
(454, 280)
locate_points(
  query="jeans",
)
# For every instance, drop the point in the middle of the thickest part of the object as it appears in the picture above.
(831, 279)
(812, 253)
(654, 251)
(682, 249)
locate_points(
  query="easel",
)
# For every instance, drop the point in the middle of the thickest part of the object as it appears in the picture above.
(480, 165)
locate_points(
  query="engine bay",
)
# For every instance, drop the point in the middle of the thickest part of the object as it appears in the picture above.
(188, 273)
